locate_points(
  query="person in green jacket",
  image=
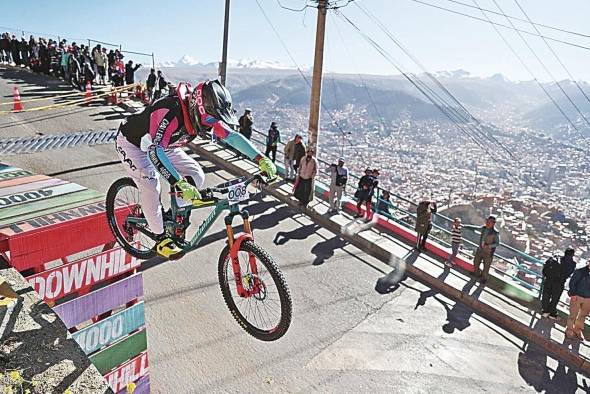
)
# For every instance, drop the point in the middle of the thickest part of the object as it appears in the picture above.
(489, 240)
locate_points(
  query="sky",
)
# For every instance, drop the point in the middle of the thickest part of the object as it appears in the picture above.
(440, 40)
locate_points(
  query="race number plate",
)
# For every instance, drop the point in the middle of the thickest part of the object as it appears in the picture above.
(237, 193)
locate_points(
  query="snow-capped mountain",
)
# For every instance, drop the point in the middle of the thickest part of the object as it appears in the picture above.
(189, 61)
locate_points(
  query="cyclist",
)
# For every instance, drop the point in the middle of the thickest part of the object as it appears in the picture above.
(149, 144)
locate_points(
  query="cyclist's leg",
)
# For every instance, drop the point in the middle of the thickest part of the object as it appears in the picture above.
(141, 169)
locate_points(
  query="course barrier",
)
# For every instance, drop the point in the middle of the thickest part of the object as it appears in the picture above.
(85, 97)
(55, 233)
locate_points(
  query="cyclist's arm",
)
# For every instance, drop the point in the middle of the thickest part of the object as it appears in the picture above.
(236, 140)
(163, 123)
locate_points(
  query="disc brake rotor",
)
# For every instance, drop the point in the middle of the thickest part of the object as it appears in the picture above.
(255, 286)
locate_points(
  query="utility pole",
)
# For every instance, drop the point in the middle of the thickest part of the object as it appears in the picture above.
(223, 64)
(316, 83)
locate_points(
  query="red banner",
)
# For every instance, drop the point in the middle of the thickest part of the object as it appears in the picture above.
(68, 278)
(127, 373)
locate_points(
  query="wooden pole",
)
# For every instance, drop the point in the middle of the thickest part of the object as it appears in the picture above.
(316, 84)
(223, 64)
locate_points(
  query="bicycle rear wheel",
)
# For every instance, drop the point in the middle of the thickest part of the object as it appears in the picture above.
(123, 203)
(266, 313)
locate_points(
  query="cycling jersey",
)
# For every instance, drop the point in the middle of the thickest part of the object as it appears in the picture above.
(162, 126)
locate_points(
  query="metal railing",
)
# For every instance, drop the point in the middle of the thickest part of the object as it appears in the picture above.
(439, 232)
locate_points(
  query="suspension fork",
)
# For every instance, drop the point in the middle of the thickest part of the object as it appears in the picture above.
(234, 244)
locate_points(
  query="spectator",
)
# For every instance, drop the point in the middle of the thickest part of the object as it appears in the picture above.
(93, 54)
(288, 153)
(118, 76)
(556, 270)
(384, 203)
(24, 52)
(88, 73)
(101, 62)
(5, 56)
(118, 55)
(130, 72)
(298, 152)
(303, 188)
(35, 47)
(246, 121)
(151, 84)
(15, 49)
(364, 194)
(579, 292)
(111, 59)
(272, 141)
(338, 180)
(160, 84)
(424, 213)
(456, 239)
(54, 55)
(65, 64)
(75, 70)
(489, 240)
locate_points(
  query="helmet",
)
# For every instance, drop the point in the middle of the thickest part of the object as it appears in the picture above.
(209, 102)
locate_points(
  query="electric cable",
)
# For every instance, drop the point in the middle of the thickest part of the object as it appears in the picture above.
(553, 52)
(526, 67)
(499, 24)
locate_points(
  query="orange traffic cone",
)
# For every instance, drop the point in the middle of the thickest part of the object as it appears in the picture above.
(88, 94)
(18, 106)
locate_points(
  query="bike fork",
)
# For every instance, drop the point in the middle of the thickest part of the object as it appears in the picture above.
(234, 247)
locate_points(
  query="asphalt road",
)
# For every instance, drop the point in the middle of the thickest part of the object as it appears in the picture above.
(351, 331)
(54, 121)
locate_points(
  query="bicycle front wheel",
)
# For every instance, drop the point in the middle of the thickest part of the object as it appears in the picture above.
(265, 312)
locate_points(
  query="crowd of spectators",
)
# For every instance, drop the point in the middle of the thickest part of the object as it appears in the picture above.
(78, 64)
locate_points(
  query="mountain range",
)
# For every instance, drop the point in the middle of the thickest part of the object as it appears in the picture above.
(495, 99)
(249, 63)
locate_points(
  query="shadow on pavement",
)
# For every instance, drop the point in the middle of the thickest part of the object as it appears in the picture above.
(424, 295)
(325, 249)
(282, 237)
(392, 281)
(459, 315)
(532, 366)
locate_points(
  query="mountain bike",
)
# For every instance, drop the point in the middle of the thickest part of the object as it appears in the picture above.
(255, 290)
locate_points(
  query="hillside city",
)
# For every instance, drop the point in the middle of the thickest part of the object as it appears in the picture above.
(542, 201)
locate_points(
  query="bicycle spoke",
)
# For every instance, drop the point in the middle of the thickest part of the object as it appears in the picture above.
(263, 308)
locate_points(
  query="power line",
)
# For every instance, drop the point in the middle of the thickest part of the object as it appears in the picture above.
(527, 69)
(330, 5)
(334, 121)
(294, 9)
(422, 88)
(359, 75)
(468, 116)
(554, 53)
(523, 20)
(500, 24)
(545, 68)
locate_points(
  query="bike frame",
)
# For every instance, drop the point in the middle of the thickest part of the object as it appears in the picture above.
(234, 241)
